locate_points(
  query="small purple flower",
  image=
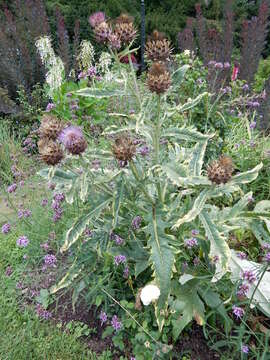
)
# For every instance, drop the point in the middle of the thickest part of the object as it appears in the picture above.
(237, 311)
(252, 143)
(20, 214)
(50, 106)
(27, 213)
(12, 188)
(117, 239)
(252, 125)
(136, 222)
(92, 71)
(265, 246)
(9, 271)
(243, 290)
(116, 324)
(82, 75)
(42, 313)
(195, 232)
(74, 106)
(119, 259)
(45, 246)
(103, 317)
(245, 87)
(60, 197)
(44, 202)
(19, 285)
(69, 94)
(50, 260)
(132, 358)
(245, 349)
(249, 276)
(144, 150)
(126, 272)
(56, 205)
(196, 261)
(242, 255)
(237, 146)
(57, 215)
(212, 62)
(267, 257)
(88, 232)
(23, 241)
(215, 259)
(250, 199)
(6, 228)
(190, 243)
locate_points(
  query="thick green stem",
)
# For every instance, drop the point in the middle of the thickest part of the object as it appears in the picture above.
(137, 91)
(137, 177)
(156, 140)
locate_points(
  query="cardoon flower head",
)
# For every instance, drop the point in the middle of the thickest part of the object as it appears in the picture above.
(50, 260)
(116, 324)
(242, 255)
(190, 243)
(103, 317)
(23, 241)
(136, 222)
(249, 276)
(96, 18)
(73, 140)
(245, 349)
(119, 259)
(12, 188)
(237, 311)
(6, 228)
(49, 107)
(243, 290)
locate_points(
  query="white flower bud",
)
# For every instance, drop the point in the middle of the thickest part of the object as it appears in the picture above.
(149, 293)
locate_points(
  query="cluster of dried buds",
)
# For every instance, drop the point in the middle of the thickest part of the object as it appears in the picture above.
(124, 149)
(220, 171)
(55, 138)
(158, 50)
(115, 33)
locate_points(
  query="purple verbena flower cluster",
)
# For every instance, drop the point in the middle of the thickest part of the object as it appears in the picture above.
(116, 324)
(241, 255)
(22, 241)
(42, 313)
(103, 318)
(119, 259)
(136, 222)
(12, 188)
(24, 213)
(50, 260)
(238, 311)
(117, 239)
(56, 206)
(6, 228)
(190, 243)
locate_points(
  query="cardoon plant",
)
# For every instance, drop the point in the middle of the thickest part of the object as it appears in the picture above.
(173, 191)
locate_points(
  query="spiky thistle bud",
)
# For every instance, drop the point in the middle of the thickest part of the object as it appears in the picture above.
(158, 78)
(50, 127)
(124, 149)
(102, 32)
(50, 151)
(73, 140)
(124, 28)
(114, 42)
(158, 48)
(220, 171)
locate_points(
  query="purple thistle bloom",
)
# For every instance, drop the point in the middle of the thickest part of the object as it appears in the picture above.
(252, 125)
(12, 188)
(243, 290)
(44, 202)
(190, 243)
(136, 222)
(50, 260)
(96, 18)
(116, 324)
(119, 259)
(6, 228)
(242, 255)
(69, 133)
(245, 349)
(249, 276)
(237, 311)
(23, 241)
(103, 317)
(50, 106)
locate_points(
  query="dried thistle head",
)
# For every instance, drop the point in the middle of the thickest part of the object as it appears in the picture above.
(102, 32)
(114, 41)
(220, 171)
(50, 151)
(50, 127)
(124, 28)
(124, 149)
(158, 48)
(158, 78)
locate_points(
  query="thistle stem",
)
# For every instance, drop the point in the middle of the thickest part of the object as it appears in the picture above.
(156, 139)
(135, 81)
(137, 177)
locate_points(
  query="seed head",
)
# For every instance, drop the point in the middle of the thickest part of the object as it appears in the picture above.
(124, 149)
(158, 78)
(50, 127)
(102, 32)
(50, 152)
(158, 48)
(124, 28)
(220, 171)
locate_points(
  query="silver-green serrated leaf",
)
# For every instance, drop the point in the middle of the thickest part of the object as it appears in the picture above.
(196, 161)
(246, 177)
(178, 176)
(187, 134)
(65, 281)
(100, 93)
